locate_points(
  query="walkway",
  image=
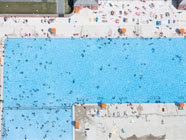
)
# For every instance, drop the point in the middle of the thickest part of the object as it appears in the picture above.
(61, 7)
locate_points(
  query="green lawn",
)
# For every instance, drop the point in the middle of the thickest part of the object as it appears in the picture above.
(27, 8)
(67, 7)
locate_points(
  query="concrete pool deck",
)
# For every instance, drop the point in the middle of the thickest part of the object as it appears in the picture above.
(139, 22)
(83, 24)
(122, 121)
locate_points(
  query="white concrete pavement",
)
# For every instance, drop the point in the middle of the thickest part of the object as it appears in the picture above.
(125, 120)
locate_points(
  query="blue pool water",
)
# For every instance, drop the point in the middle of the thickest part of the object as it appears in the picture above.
(36, 124)
(59, 72)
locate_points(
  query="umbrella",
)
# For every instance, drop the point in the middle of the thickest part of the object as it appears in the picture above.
(53, 30)
(124, 30)
(76, 10)
(76, 124)
(103, 105)
(178, 31)
(120, 30)
(182, 104)
(182, 30)
(50, 30)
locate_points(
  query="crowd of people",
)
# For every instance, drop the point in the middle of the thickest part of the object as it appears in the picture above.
(108, 12)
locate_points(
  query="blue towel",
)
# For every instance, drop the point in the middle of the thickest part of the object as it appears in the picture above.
(122, 130)
(169, 21)
(96, 19)
(158, 23)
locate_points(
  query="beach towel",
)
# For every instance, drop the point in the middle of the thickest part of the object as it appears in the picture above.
(122, 130)
(69, 20)
(168, 21)
(96, 19)
(158, 23)
(143, 22)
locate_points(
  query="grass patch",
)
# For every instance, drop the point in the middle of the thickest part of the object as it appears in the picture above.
(68, 8)
(27, 8)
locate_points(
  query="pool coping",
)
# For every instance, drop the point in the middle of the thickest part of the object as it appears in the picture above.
(2, 43)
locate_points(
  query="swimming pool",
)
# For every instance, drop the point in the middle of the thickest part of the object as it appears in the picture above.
(60, 72)
(37, 124)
